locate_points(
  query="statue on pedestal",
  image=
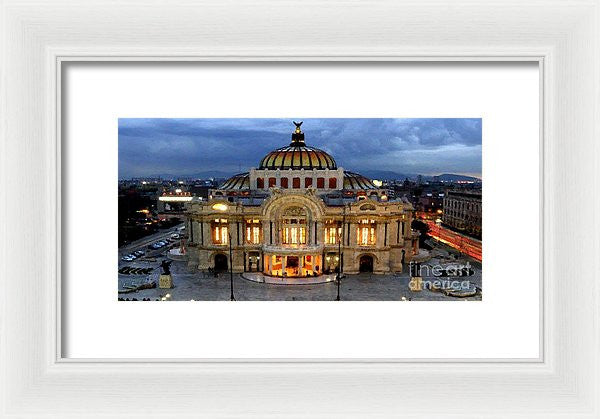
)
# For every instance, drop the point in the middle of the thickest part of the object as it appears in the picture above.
(166, 267)
(165, 280)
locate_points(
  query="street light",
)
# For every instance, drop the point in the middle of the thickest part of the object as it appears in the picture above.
(339, 265)
(232, 298)
(224, 207)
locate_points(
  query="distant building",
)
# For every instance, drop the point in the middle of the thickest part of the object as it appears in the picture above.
(173, 200)
(429, 202)
(462, 211)
(200, 191)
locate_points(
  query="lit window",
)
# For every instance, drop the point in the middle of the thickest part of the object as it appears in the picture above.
(253, 231)
(333, 231)
(294, 226)
(365, 233)
(220, 231)
(294, 235)
(331, 235)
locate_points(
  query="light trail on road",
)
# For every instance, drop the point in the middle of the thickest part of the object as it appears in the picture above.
(460, 242)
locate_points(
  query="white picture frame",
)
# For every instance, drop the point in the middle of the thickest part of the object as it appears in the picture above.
(38, 37)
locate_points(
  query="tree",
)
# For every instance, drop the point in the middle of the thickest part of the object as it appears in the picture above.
(422, 228)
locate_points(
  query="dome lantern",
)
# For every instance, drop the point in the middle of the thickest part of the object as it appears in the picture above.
(297, 136)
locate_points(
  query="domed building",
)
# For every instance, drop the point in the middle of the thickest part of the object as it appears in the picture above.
(297, 214)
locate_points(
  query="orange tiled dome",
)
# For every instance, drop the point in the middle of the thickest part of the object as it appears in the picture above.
(355, 181)
(240, 181)
(297, 156)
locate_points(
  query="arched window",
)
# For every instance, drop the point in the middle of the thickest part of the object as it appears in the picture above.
(284, 182)
(272, 182)
(332, 183)
(294, 226)
(260, 183)
(321, 182)
(307, 182)
(296, 183)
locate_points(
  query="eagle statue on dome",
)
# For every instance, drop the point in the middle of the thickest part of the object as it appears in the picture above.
(297, 125)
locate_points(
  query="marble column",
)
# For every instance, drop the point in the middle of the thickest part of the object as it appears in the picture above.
(352, 237)
(379, 232)
(207, 233)
(190, 230)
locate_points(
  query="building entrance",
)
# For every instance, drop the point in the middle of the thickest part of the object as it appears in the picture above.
(253, 262)
(220, 262)
(365, 264)
(292, 262)
(290, 265)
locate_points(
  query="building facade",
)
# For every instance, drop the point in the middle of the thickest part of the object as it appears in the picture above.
(462, 211)
(300, 215)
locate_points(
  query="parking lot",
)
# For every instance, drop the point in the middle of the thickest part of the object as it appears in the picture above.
(138, 261)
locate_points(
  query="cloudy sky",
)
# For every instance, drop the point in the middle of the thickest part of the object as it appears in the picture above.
(409, 146)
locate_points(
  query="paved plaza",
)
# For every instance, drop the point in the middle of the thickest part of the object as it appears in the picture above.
(189, 284)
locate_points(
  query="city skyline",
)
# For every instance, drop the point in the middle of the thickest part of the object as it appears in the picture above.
(182, 147)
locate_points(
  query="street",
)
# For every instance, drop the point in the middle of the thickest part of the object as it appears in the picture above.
(142, 244)
(465, 244)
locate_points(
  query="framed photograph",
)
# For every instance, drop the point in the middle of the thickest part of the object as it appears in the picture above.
(298, 217)
(250, 210)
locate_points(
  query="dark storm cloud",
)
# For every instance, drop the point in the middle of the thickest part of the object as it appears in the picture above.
(188, 146)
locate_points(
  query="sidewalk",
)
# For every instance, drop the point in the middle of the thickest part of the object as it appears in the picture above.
(277, 280)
